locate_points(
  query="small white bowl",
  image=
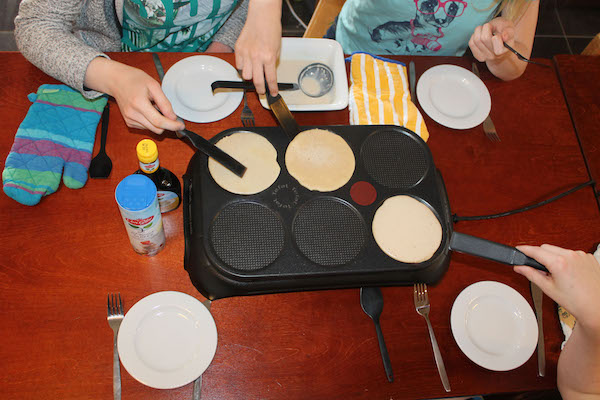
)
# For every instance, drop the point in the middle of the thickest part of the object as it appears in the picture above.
(296, 53)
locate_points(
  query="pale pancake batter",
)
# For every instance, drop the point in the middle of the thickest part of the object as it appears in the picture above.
(256, 153)
(406, 229)
(320, 160)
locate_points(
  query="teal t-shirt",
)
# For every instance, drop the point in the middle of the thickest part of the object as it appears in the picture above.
(172, 25)
(421, 27)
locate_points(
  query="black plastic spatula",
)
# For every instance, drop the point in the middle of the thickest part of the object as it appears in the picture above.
(101, 165)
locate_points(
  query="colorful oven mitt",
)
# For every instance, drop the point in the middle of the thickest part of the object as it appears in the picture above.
(55, 138)
(379, 94)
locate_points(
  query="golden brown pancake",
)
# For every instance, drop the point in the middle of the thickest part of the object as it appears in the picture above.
(320, 160)
(406, 229)
(256, 153)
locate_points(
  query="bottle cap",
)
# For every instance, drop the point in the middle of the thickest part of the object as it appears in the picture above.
(147, 151)
(135, 192)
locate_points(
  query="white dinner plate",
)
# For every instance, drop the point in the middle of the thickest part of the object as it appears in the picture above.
(167, 340)
(187, 86)
(494, 326)
(453, 96)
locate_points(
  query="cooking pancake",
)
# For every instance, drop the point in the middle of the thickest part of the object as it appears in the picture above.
(406, 229)
(258, 156)
(320, 160)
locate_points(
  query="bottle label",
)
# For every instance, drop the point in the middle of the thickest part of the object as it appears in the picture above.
(149, 167)
(145, 229)
(168, 201)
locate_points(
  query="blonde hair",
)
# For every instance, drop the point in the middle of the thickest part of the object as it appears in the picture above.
(510, 9)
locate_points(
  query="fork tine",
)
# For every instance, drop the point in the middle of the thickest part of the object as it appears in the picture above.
(415, 293)
(108, 305)
(120, 305)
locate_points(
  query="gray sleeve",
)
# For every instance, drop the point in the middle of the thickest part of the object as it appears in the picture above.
(57, 36)
(230, 31)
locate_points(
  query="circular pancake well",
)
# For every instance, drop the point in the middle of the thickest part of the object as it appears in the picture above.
(406, 229)
(320, 160)
(256, 153)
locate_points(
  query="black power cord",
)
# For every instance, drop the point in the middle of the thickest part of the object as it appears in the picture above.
(457, 218)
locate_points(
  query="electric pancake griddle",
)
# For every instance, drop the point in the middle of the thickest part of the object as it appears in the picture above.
(288, 238)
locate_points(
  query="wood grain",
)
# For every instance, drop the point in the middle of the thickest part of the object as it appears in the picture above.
(60, 259)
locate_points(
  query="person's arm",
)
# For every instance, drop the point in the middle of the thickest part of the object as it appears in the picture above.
(257, 48)
(139, 96)
(574, 283)
(224, 40)
(45, 35)
(487, 42)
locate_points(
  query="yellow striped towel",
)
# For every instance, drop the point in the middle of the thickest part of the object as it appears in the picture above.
(379, 95)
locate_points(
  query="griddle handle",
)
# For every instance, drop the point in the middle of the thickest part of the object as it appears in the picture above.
(489, 250)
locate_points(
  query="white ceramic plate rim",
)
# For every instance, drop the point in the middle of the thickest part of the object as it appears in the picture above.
(482, 96)
(197, 65)
(143, 372)
(458, 322)
(326, 51)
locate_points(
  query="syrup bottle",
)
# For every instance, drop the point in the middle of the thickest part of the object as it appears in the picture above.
(167, 185)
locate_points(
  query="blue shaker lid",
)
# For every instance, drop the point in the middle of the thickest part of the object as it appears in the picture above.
(135, 192)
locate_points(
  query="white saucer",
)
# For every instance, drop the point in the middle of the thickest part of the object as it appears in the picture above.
(453, 96)
(167, 340)
(187, 86)
(494, 326)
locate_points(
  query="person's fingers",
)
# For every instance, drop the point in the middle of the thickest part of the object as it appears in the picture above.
(498, 45)
(486, 37)
(159, 121)
(271, 77)
(498, 25)
(478, 48)
(247, 70)
(161, 101)
(239, 60)
(258, 76)
(475, 50)
(540, 278)
(554, 249)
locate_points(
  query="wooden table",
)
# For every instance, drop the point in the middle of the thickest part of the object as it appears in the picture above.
(60, 259)
(579, 78)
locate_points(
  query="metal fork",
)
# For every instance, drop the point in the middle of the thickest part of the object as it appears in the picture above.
(115, 316)
(523, 58)
(422, 306)
(247, 116)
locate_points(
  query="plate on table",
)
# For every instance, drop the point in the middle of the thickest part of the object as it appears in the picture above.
(297, 53)
(454, 96)
(187, 86)
(167, 340)
(494, 326)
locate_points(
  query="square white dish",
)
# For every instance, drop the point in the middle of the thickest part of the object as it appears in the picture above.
(296, 53)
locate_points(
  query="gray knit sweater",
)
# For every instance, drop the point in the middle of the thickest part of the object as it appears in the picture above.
(62, 37)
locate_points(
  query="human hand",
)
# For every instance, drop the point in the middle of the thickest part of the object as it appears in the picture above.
(259, 43)
(487, 41)
(573, 282)
(140, 98)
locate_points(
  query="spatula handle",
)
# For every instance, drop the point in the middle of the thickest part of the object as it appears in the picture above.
(487, 249)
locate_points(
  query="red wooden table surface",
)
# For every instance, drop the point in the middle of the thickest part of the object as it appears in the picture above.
(580, 80)
(60, 258)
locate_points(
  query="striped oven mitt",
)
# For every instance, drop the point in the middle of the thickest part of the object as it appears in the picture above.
(379, 94)
(55, 138)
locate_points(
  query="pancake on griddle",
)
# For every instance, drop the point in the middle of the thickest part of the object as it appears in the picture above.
(320, 160)
(406, 229)
(256, 153)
